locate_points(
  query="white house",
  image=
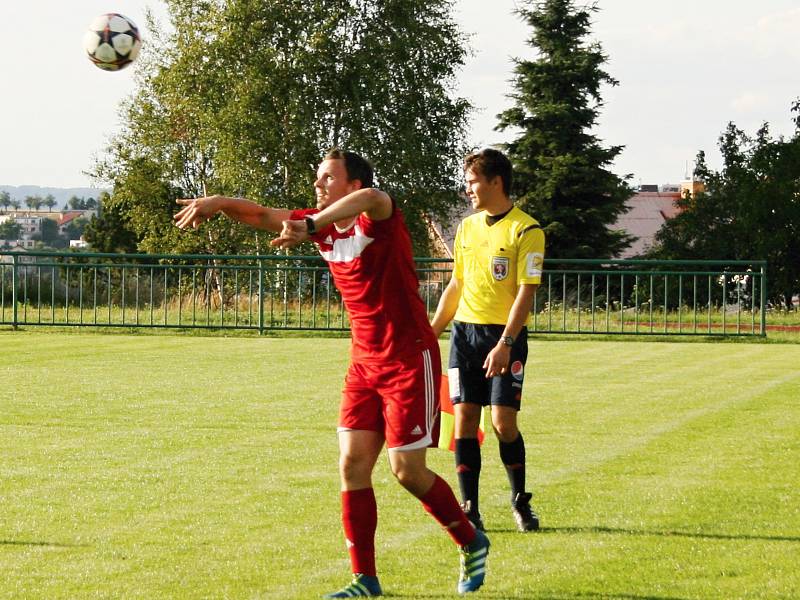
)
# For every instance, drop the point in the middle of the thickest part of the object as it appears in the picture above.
(12, 246)
(30, 227)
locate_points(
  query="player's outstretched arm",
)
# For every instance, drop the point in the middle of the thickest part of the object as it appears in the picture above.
(196, 211)
(377, 205)
(448, 304)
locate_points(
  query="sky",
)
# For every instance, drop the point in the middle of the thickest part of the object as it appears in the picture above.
(685, 69)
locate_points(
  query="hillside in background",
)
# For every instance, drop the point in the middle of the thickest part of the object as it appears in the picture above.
(60, 194)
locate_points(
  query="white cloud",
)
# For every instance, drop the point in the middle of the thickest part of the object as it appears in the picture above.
(678, 32)
(748, 102)
(776, 34)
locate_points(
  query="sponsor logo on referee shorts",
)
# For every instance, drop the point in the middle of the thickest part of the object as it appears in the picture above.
(517, 370)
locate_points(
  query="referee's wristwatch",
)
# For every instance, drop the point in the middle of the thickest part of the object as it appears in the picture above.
(507, 340)
(311, 226)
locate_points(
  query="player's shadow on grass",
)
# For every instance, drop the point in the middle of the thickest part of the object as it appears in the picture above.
(620, 596)
(41, 544)
(488, 593)
(669, 533)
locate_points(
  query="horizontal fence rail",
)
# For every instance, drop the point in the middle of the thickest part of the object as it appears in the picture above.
(280, 292)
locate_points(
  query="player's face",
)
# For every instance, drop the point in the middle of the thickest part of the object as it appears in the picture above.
(481, 191)
(332, 183)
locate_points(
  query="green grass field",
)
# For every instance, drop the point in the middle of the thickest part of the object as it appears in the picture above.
(170, 466)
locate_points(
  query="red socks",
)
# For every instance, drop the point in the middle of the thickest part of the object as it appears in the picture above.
(360, 519)
(443, 506)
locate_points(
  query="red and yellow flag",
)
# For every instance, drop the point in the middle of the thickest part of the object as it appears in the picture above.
(447, 419)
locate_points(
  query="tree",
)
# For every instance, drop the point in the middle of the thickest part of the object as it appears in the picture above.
(49, 232)
(75, 203)
(74, 229)
(10, 230)
(49, 202)
(560, 169)
(5, 200)
(243, 97)
(110, 232)
(749, 210)
(33, 202)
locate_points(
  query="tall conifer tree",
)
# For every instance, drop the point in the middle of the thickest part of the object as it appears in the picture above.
(561, 169)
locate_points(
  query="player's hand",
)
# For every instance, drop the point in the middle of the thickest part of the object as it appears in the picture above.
(497, 360)
(195, 211)
(293, 233)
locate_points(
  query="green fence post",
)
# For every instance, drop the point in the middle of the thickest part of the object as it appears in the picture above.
(260, 297)
(14, 284)
(764, 299)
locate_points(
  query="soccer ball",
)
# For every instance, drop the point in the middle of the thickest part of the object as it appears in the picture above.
(112, 42)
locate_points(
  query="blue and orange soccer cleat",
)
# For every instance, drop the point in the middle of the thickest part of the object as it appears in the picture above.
(473, 563)
(361, 586)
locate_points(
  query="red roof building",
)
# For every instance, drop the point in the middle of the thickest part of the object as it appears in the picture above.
(648, 211)
(68, 216)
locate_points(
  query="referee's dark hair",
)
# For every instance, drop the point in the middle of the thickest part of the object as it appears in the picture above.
(490, 163)
(357, 166)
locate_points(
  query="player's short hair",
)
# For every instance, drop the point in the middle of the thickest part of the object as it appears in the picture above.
(357, 166)
(490, 163)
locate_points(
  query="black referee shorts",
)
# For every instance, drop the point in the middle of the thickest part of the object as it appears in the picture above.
(469, 345)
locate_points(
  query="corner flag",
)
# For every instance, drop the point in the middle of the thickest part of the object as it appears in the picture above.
(447, 419)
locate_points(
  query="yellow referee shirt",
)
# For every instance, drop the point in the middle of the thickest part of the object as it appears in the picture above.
(492, 261)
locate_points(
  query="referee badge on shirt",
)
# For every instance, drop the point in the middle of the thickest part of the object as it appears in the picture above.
(499, 267)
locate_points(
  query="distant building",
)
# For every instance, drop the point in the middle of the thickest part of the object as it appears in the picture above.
(55, 215)
(647, 212)
(14, 246)
(80, 244)
(30, 225)
(444, 234)
(67, 217)
(649, 209)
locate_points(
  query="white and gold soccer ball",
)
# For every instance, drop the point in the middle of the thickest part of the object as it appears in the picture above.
(112, 42)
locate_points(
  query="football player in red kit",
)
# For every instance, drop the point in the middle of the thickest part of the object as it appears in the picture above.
(390, 394)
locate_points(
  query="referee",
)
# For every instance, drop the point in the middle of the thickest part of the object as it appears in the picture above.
(499, 252)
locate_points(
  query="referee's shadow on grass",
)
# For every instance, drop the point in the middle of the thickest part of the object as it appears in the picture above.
(40, 544)
(668, 533)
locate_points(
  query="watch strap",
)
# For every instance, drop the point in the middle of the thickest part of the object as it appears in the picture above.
(311, 225)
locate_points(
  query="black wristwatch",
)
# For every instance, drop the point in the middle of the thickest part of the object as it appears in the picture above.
(311, 226)
(507, 340)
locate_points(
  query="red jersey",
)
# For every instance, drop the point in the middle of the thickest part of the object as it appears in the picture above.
(373, 268)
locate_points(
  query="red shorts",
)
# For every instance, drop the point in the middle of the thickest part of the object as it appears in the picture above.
(398, 398)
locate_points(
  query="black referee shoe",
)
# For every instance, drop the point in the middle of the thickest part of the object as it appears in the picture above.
(473, 515)
(526, 519)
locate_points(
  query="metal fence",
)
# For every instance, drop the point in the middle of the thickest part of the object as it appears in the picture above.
(278, 292)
